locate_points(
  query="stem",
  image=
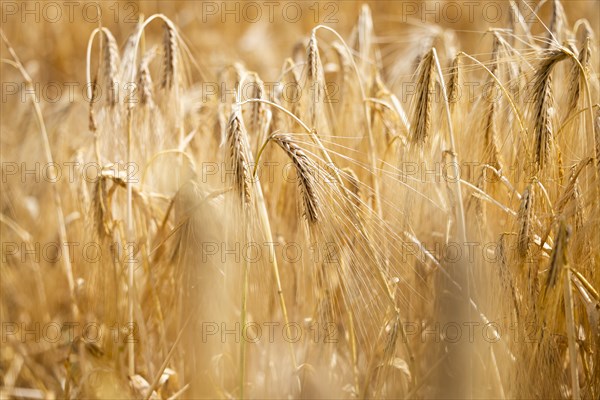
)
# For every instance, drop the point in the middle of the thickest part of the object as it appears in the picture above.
(571, 335)
(243, 340)
(244, 308)
(130, 284)
(265, 222)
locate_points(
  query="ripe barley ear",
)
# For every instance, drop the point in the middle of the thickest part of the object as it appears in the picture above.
(543, 107)
(170, 48)
(524, 221)
(111, 67)
(423, 103)
(306, 180)
(576, 78)
(238, 157)
(145, 79)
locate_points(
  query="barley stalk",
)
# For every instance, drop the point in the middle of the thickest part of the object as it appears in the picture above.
(597, 138)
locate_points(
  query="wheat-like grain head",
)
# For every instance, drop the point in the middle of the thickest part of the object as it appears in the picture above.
(238, 156)
(524, 221)
(543, 107)
(490, 148)
(111, 67)
(145, 79)
(170, 48)
(312, 59)
(423, 102)
(557, 24)
(558, 259)
(305, 168)
(576, 75)
(454, 82)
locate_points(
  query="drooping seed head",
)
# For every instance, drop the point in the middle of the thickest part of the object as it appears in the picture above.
(557, 24)
(111, 67)
(455, 81)
(558, 259)
(490, 148)
(312, 59)
(170, 48)
(145, 79)
(524, 220)
(238, 156)
(304, 169)
(258, 108)
(543, 106)
(423, 102)
(576, 78)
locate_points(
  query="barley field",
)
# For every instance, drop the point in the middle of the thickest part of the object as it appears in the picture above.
(279, 199)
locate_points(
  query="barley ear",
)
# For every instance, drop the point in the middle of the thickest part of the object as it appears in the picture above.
(455, 81)
(558, 259)
(305, 168)
(170, 48)
(576, 78)
(111, 67)
(490, 148)
(524, 221)
(557, 24)
(423, 102)
(312, 59)
(238, 156)
(145, 79)
(543, 107)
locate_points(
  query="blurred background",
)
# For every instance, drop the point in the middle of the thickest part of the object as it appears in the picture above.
(51, 37)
